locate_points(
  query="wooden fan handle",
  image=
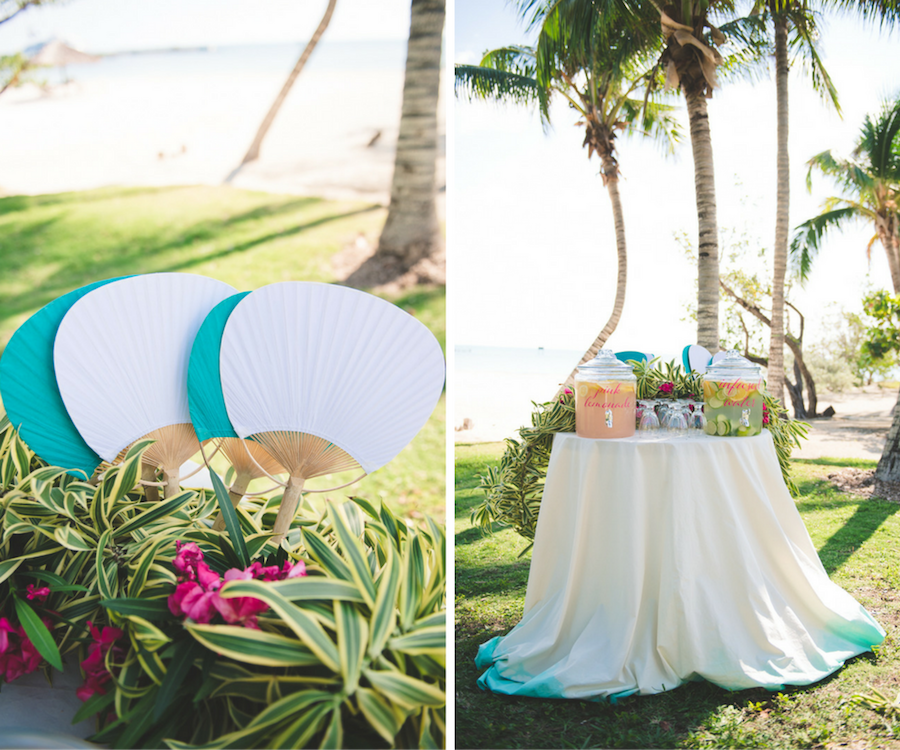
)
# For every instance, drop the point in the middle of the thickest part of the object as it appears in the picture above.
(288, 509)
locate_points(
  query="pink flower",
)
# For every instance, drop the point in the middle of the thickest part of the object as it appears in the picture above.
(18, 655)
(197, 597)
(96, 674)
(191, 600)
(5, 630)
(40, 594)
(13, 666)
(666, 388)
(240, 610)
(293, 571)
(187, 556)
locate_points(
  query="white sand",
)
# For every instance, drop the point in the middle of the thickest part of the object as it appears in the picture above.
(195, 129)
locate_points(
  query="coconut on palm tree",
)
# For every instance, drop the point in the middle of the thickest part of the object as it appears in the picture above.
(600, 69)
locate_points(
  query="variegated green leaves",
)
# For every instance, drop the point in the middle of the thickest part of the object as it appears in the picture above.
(366, 631)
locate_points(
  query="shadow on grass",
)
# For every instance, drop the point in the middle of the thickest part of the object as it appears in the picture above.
(864, 522)
(13, 203)
(249, 245)
(155, 248)
(476, 534)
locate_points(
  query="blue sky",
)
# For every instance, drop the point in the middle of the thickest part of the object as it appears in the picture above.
(532, 228)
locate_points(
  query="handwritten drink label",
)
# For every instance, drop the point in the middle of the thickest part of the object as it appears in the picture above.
(604, 410)
(736, 393)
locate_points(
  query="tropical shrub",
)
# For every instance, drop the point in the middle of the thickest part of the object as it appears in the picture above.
(514, 487)
(188, 637)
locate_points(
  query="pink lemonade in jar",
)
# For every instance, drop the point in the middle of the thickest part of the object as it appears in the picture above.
(605, 409)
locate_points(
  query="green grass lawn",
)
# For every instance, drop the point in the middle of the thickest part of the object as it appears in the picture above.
(858, 542)
(51, 244)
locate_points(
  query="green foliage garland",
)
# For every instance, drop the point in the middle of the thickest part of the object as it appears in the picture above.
(513, 489)
(352, 654)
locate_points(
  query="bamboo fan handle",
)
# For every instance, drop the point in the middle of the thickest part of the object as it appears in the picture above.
(256, 464)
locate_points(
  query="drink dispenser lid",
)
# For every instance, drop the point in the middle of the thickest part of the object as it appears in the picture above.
(607, 367)
(733, 367)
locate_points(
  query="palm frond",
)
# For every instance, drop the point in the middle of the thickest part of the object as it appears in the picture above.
(476, 82)
(850, 175)
(804, 43)
(878, 142)
(808, 237)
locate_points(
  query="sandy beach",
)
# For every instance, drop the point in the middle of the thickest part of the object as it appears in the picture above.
(130, 125)
(496, 405)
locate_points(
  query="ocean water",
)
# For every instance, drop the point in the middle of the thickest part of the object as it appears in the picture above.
(238, 59)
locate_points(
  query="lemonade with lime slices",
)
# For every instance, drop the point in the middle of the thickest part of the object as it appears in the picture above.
(732, 393)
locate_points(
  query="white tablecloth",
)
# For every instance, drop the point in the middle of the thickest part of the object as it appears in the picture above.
(662, 561)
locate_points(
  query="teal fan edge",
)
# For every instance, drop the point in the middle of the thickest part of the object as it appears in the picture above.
(205, 399)
(30, 393)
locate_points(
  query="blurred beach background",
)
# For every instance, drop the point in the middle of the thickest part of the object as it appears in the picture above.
(120, 166)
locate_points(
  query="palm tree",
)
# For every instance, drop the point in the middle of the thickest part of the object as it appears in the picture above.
(253, 152)
(691, 61)
(601, 70)
(411, 230)
(870, 179)
(787, 15)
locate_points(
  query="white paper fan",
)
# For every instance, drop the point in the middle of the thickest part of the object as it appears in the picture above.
(121, 358)
(327, 378)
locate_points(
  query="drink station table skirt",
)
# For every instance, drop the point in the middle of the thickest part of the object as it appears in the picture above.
(662, 561)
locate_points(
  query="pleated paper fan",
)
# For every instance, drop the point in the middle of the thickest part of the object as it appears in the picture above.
(30, 393)
(205, 400)
(121, 358)
(328, 377)
(207, 406)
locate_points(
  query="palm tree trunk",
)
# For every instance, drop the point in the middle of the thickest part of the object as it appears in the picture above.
(708, 241)
(411, 230)
(888, 469)
(890, 240)
(253, 152)
(776, 342)
(612, 187)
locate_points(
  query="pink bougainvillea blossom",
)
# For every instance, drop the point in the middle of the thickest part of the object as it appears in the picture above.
(666, 388)
(96, 675)
(197, 597)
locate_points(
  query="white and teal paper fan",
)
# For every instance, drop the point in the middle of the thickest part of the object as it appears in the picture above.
(121, 358)
(30, 393)
(327, 378)
(207, 406)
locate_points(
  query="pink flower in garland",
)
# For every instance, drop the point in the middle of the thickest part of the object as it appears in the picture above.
(96, 675)
(197, 594)
(666, 388)
(765, 415)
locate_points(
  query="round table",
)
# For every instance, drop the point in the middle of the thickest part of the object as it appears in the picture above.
(660, 561)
